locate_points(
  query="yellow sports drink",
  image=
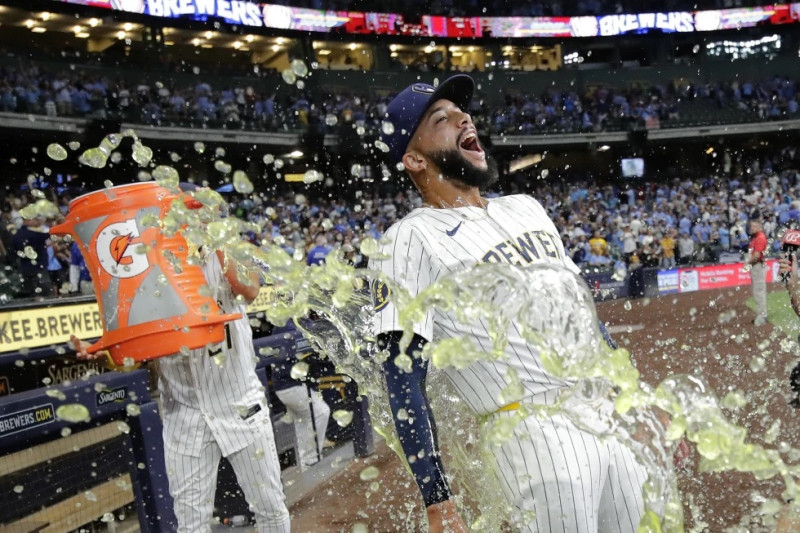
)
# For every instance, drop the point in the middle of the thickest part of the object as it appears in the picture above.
(149, 297)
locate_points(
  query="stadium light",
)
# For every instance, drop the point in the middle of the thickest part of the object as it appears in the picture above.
(209, 34)
(249, 38)
(38, 29)
(127, 26)
(94, 22)
(45, 16)
(30, 23)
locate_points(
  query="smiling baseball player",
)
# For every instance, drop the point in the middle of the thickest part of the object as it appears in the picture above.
(572, 480)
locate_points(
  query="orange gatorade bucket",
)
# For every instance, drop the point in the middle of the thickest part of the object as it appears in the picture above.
(150, 308)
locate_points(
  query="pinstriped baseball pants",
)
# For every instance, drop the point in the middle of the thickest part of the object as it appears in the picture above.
(193, 482)
(573, 481)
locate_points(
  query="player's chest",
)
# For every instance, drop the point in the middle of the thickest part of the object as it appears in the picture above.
(516, 242)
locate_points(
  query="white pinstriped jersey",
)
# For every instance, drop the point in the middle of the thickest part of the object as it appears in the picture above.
(429, 243)
(219, 392)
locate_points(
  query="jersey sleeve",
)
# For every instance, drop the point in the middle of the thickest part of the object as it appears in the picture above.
(406, 261)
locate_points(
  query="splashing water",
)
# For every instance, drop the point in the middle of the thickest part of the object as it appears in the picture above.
(299, 68)
(289, 76)
(56, 152)
(242, 183)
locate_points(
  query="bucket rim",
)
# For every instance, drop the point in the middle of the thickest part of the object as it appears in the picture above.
(115, 187)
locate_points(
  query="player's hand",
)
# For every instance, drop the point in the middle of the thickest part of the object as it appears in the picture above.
(82, 348)
(444, 518)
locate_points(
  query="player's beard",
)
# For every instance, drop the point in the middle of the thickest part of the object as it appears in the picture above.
(454, 166)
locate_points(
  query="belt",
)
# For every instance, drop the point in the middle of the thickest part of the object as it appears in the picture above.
(510, 407)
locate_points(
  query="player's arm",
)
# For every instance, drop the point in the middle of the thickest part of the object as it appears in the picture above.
(417, 431)
(248, 291)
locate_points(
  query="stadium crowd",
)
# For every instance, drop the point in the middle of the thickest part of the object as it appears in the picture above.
(77, 93)
(686, 221)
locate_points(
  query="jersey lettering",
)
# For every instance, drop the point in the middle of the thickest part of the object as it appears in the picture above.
(525, 251)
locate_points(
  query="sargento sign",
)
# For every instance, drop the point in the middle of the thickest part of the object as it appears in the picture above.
(32, 328)
(254, 14)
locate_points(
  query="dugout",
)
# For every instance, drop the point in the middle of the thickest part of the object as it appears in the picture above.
(65, 473)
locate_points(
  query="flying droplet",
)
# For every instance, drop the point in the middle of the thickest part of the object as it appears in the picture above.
(299, 371)
(268, 159)
(343, 417)
(74, 145)
(387, 127)
(132, 409)
(278, 163)
(311, 176)
(301, 84)
(56, 152)
(222, 166)
(382, 146)
(199, 147)
(116, 157)
(141, 154)
(166, 176)
(356, 170)
(73, 413)
(18, 489)
(331, 120)
(289, 76)
(94, 158)
(370, 473)
(55, 393)
(241, 183)
(299, 68)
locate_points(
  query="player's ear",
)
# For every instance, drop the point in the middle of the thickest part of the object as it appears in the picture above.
(414, 161)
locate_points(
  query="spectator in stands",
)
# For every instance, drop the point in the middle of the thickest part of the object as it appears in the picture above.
(667, 245)
(30, 244)
(317, 255)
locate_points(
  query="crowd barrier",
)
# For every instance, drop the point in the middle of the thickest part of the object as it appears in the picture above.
(653, 282)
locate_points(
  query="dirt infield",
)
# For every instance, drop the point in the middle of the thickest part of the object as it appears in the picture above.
(709, 335)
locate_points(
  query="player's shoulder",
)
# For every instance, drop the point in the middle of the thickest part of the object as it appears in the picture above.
(520, 202)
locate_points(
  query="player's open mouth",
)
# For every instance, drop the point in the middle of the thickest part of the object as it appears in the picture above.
(469, 142)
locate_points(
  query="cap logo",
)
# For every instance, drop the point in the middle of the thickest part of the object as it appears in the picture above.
(422, 88)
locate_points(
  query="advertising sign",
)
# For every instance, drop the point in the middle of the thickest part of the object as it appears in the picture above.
(240, 12)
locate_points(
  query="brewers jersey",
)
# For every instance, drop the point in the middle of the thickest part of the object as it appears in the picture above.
(430, 243)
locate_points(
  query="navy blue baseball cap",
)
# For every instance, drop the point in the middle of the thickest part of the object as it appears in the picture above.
(407, 108)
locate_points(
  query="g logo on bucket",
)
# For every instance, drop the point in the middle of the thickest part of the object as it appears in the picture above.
(114, 250)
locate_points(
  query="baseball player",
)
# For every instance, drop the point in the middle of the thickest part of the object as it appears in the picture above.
(214, 405)
(572, 480)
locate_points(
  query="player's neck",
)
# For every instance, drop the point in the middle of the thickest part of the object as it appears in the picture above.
(446, 195)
